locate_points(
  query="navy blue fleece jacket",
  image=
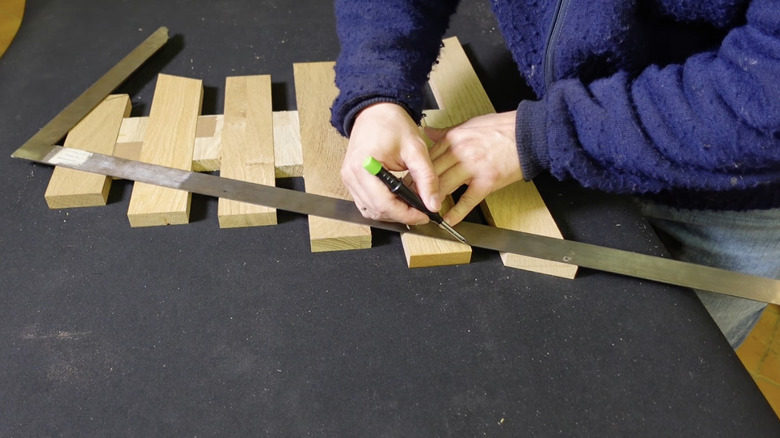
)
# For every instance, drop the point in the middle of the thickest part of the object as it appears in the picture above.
(673, 99)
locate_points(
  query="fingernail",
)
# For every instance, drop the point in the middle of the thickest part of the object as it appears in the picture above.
(435, 202)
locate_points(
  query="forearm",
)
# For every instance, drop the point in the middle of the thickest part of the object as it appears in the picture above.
(708, 124)
(387, 51)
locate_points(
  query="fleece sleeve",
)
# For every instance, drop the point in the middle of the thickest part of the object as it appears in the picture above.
(708, 125)
(387, 50)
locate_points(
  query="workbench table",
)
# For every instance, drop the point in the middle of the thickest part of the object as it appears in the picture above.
(192, 330)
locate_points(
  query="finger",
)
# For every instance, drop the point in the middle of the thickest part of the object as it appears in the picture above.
(376, 202)
(470, 199)
(444, 163)
(440, 146)
(453, 178)
(425, 180)
(434, 134)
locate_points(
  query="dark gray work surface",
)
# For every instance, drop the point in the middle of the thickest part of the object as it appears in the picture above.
(196, 331)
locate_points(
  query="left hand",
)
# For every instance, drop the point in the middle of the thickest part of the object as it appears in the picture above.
(480, 152)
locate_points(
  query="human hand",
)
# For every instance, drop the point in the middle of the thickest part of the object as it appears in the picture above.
(386, 132)
(480, 152)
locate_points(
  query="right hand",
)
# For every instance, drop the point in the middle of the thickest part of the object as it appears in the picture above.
(386, 132)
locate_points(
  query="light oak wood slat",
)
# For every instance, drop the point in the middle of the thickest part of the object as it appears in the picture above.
(169, 141)
(422, 251)
(247, 148)
(208, 143)
(97, 132)
(287, 144)
(519, 206)
(323, 152)
(208, 140)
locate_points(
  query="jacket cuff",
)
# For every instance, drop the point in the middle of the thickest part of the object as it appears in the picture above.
(531, 137)
(349, 118)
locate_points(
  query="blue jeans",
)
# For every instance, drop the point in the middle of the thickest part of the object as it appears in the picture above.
(744, 241)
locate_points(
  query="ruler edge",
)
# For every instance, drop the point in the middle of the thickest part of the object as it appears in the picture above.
(37, 146)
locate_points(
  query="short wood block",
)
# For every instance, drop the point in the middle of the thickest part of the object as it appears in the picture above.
(208, 141)
(97, 132)
(247, 148)
(458, 91)
(323, 151)
(169, 141)
(287, 144)
(423, 251)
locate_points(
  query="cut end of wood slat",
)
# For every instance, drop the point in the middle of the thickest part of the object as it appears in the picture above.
(74, 189)
(234, 214)
(334, 235)
(343, 243)
(248, 220)
(147, 202)
(159, 219)
(448, 258)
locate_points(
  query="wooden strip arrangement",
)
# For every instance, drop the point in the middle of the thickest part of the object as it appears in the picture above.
(323, 151)
(169, 141)
(458, 91)
(422, 251)
(247, 148)
(175, 135)
(97, 132)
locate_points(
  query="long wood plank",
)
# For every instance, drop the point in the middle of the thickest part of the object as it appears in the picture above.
(247, 148)
(169, 141)
(519, 206)
(422, 251)
(97, 132)
(208, 142)
(323, 151)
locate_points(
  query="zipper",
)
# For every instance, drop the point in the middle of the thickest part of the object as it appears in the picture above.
(552, 40)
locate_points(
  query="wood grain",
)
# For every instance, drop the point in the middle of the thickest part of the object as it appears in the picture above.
(169, 141)
(208, 142)
(247, 148)
(97, 132)
(287, 144)
(519, 206)
(323, 151)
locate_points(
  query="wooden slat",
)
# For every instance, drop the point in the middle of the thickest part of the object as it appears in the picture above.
(169, 141)
(422, 251)
(323, 152)
(208, 141)
(247, 148)
(519, 206)
(287, 144)
(97, 132)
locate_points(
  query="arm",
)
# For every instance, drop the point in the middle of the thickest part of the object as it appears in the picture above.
(387, 51)
(710, 124)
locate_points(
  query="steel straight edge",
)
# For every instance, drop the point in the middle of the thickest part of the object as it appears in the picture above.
(566, 251)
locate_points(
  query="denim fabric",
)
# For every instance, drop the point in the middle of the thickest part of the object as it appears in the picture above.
(744, 241)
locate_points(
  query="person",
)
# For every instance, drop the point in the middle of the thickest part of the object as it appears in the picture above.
(674, 102)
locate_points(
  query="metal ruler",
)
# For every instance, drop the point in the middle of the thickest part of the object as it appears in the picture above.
(40, 148)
